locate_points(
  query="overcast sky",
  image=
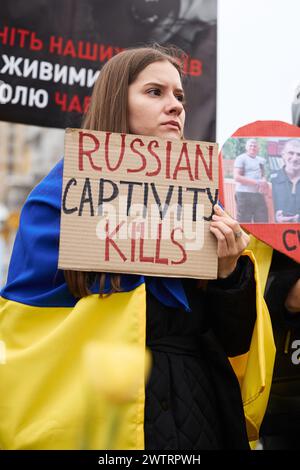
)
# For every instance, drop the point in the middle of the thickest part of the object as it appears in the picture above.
(258, 61)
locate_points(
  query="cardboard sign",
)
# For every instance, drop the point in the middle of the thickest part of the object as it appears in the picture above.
(261, 182)
(136, 204)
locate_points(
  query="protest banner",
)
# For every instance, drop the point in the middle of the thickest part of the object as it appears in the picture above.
(138, 204)
(53, 52)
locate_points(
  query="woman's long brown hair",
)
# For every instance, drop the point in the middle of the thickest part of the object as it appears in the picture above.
(108, 111)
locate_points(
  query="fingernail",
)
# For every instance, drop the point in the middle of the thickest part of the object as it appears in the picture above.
(218, 208)
(219, 204)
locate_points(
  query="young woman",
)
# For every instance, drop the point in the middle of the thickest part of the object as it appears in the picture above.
(192, 399)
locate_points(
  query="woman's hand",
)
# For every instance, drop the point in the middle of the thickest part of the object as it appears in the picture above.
(232, 241)
(292, 303)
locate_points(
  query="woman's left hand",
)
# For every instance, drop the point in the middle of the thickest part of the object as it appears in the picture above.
(232, 241)
(292, 303)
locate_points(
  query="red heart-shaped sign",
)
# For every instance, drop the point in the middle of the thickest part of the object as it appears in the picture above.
(260, 182)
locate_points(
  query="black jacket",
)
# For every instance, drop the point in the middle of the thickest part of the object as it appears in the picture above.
(283, 411)
(193, 398)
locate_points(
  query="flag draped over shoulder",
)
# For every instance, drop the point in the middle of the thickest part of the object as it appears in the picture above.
(254, 369)
(47, 338)
(33, 277)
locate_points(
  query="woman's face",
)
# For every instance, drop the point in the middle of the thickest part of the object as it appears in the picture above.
(155, 102)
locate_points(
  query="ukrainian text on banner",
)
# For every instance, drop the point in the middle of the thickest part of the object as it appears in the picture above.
(52, 52)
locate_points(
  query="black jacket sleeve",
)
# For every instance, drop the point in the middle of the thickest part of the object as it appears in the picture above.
(231, 306)
(284, 273)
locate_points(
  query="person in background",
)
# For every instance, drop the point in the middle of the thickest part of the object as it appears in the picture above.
(296, 107)
(281, 425)
(251, 185)
(286, 185)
